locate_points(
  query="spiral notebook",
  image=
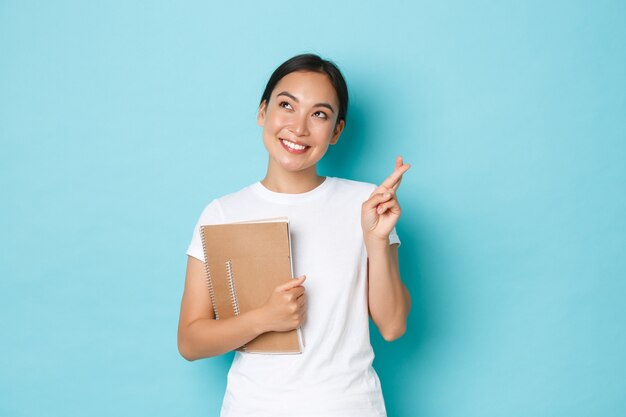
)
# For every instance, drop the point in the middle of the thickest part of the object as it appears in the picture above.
(244, 263)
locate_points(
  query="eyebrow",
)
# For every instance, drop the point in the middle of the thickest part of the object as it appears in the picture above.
(291, 96)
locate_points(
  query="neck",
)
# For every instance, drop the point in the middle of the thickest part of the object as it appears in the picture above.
(292, 182)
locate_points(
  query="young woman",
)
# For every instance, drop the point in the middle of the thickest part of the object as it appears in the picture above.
(344, 245)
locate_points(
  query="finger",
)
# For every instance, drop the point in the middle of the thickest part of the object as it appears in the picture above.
(385, 204)
(395, 176)
(393, 181)
(399, 164)
(301, 301)
(377, 199)
(296, 292)
(391, 205)
(395, 187)
(294, 282)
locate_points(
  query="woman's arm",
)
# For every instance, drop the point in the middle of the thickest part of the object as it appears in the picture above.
(201, 336)
(389, 300)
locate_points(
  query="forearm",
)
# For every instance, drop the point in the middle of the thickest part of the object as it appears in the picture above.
(389, 300)
(207, 337)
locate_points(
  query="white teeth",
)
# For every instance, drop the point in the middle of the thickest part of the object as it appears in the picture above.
(293, 145)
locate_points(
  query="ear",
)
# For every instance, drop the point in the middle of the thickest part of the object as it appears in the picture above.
(338, 129)
(260, 118)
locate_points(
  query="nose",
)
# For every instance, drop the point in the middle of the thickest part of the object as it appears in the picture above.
(299, 125)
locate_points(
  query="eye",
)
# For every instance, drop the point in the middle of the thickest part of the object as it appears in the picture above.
(320, 114)
(285, 105)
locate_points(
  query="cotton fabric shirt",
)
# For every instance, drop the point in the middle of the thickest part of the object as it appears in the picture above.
(334, 374)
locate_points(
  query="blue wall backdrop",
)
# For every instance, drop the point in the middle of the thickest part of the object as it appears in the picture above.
(120, 120)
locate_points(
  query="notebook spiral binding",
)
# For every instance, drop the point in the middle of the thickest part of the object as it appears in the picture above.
(231, 287)
(209, 282)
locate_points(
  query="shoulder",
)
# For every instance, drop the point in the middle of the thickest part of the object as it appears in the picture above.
(354, 187)
(213, 212)
(236, 196)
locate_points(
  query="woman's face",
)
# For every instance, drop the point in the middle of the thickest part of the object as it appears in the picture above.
(300, 120)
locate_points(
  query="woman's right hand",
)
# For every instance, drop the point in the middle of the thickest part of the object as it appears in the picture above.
(285, 309)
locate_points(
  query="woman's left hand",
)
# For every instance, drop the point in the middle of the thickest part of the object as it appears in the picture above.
(380, 213)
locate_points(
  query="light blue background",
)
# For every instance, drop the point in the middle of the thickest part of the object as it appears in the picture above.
(119, 121)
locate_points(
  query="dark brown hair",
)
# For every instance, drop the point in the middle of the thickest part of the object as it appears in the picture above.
(313, 63)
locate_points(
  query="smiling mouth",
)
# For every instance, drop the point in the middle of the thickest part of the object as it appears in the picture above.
(294, 147)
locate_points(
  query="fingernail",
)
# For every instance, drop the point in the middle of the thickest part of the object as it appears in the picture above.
(386, 195)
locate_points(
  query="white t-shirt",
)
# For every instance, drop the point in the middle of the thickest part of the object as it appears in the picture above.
(334, 375)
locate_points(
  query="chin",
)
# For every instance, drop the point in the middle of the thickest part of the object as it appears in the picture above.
(290, 165)
(293, 167)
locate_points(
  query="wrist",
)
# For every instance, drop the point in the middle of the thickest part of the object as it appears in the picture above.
(376, 242)
(258, 321)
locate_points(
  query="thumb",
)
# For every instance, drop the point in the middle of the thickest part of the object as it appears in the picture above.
(292, 283)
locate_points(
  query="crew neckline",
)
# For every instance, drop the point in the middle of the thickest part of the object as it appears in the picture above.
(290, 198)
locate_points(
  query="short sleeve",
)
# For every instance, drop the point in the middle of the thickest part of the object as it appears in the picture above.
(393, 238)
(212, 214)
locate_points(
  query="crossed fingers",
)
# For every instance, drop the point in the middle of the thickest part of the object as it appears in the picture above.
(393, 181)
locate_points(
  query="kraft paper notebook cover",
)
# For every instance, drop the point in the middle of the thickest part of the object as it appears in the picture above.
(244, 263)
